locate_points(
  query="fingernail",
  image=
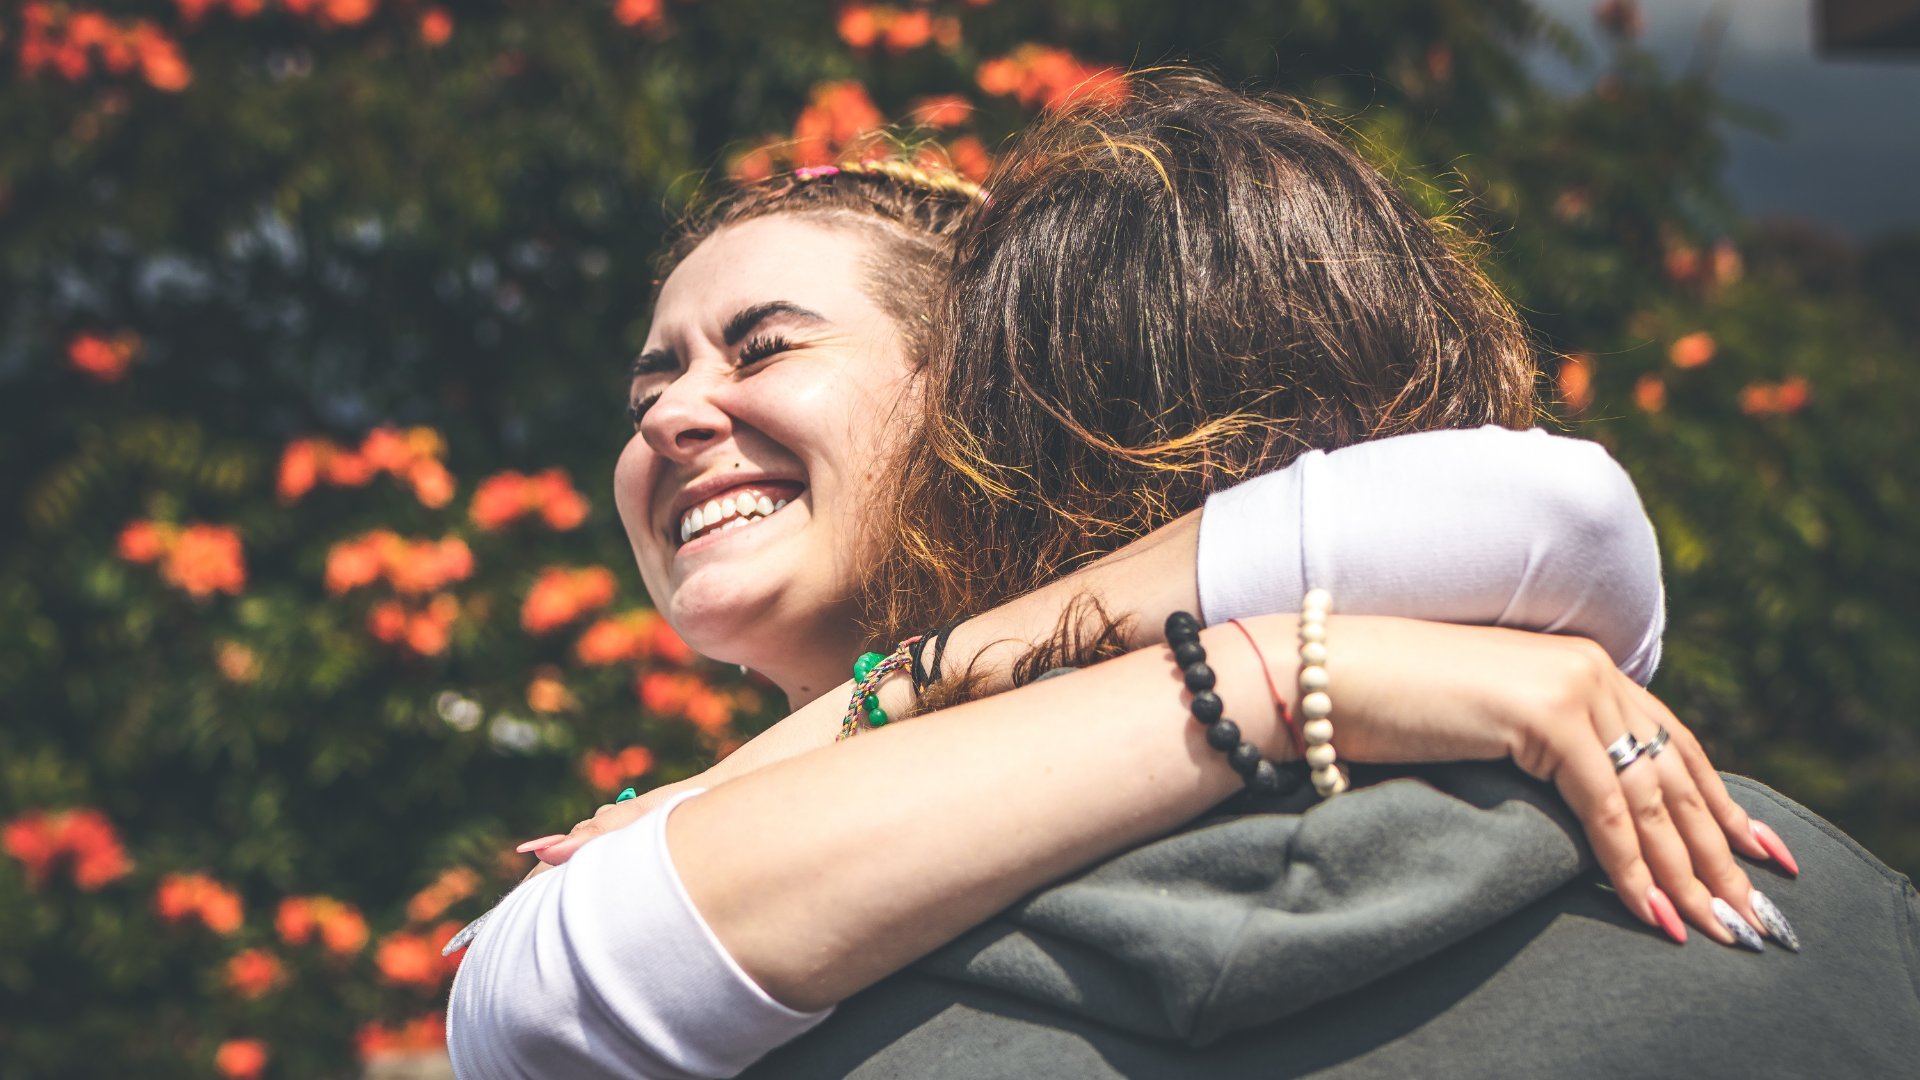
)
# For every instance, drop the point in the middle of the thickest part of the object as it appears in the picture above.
(625, 795)
(1664, 913)
(1743, 935)
(545, 842)
(1776, 847)
(1778, 928)
(552, 854)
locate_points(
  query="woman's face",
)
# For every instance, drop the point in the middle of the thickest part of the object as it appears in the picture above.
(766, 399)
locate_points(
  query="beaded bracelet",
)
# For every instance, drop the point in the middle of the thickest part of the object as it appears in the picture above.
(1183, 634)
(868, 670)
(1316, 705)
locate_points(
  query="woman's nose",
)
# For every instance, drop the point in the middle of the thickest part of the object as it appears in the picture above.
(685, 419)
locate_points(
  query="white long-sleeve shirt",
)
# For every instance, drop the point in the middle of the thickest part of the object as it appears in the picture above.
(604, 968)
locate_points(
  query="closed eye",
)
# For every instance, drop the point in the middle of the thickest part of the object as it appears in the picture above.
(762, 347)
(637, 407)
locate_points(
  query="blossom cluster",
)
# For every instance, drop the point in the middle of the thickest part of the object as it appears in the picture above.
(412, 457)
(631, 637)
(562, 594)
(608, 772)
(200, 559)
(673, 693)
(411, 567)
(74, 43)
(896, 30)
(82, 839)
(105, 358)
(1043, 76)
(505, 498)
(339, 925)
(185, 897)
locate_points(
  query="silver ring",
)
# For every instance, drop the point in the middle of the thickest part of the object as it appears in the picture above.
(1657, 744)
(1624, 751)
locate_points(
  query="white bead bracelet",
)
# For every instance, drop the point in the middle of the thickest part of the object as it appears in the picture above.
(1316, 706)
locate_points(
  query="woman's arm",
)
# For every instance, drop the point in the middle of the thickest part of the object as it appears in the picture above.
(1485, 526)
(822, 874)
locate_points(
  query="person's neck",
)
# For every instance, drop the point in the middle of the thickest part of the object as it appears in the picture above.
(805, 674)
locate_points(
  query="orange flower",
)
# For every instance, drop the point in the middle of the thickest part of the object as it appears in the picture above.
(548, 694)
(504, 498)
(452, 886)
(619, 639)
(144, 541)
(859, 25)
(666, 694)
(356, 562)
(1693, 350)
(1775, 399)
(838, 114)
(1576, 382)
(1727, 264)
(241, 1059)
(611, 772)
(375, 1040)
(561, 595)
(1650, 393)
(385, 450)
(1047, 77)
(408, 959)
(346, 469)
(184, 896)
(387, 621)
(83, 837)
(342, 930)
(1683, 263)
(160, 61)
(646, 14)
(970, 158)
(942, 111)
(105, 359)
(709, 710)
(295, 920)
(909, 30)
(348, 12)
(431, 482)
(253, 972)
(436, 26)
(299, 468)
(206, 559)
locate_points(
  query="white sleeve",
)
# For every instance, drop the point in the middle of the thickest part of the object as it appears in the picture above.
(604, 968)
(1487, 526)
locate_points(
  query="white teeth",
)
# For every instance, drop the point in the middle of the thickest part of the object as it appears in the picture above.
(765, 506)
(728, 507)
(712, 511)
(696, 520)
(686, 529)
(778, 505)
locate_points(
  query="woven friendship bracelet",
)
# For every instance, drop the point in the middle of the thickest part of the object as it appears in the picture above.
(868, 671)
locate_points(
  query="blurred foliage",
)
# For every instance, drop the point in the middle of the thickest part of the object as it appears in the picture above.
(278, 695)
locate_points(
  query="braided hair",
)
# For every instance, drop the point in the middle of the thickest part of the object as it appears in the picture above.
(912, 210)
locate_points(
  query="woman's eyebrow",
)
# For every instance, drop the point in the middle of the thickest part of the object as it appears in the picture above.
(744, 321)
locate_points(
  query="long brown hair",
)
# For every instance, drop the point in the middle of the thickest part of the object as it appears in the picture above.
(1159, 298)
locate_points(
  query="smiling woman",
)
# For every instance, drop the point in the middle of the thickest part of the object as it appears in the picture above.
(773, 380)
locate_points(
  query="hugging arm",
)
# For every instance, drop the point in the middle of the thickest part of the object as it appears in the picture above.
(1485, 526)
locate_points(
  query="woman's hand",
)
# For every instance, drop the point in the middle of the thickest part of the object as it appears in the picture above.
(1663, 828)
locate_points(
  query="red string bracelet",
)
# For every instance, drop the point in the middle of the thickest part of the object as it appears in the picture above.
(1280, 703)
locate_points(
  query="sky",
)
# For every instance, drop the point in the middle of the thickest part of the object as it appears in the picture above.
(1848, 152)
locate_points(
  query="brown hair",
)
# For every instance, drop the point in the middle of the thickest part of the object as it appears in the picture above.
(912, 209)
(1161, 297)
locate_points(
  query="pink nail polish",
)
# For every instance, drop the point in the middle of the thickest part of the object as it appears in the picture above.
(545, 842)
(1665, 914)
(1776, 847)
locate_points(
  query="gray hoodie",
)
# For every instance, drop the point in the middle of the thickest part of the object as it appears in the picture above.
(1445, 922)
